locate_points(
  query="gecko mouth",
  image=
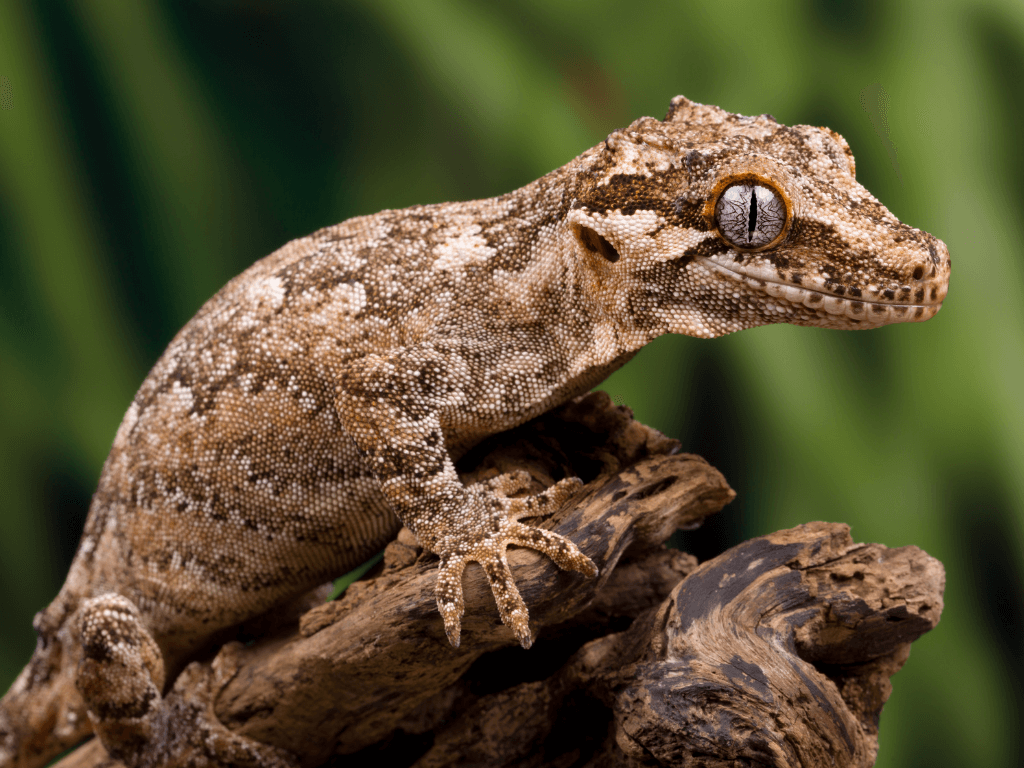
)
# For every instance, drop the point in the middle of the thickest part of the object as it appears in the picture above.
(857, 310)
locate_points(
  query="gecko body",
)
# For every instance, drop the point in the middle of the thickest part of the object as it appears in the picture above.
(318, 401)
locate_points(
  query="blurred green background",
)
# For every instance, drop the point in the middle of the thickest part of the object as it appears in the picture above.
(149, 151)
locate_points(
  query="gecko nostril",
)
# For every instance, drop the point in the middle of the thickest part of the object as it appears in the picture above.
(918, 272)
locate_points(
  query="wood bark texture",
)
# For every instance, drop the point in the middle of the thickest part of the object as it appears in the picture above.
(778, 652)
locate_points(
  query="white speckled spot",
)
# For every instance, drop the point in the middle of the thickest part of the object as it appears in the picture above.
(266, 293)
(468, 248)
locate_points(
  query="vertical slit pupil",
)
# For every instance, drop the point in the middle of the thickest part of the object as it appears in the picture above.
(752, 222)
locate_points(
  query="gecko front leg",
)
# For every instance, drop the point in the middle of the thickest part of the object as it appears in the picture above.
(396, 408)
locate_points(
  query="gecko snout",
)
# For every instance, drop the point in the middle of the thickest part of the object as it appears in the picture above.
(924, 276)
(931, 275)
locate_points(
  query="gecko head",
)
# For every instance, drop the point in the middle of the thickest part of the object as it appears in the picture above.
(43, 714)
(709, 222)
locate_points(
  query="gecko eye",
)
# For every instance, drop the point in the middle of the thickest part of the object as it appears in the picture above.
(750, 215)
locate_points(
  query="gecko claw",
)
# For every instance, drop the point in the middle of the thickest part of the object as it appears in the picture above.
(519, 622)
(452, 618)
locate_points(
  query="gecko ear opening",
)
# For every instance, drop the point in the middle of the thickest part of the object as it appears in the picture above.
(594, 242)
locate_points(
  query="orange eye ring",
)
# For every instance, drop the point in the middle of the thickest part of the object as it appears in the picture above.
(754, 193)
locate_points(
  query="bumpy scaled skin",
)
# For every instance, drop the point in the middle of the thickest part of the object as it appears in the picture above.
(321, 396)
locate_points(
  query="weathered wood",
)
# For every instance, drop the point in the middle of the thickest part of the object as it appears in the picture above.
(778, 652)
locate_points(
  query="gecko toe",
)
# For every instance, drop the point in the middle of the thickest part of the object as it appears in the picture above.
(452, 617)
(545, 502)
(448, 591)
(565, 554)
(561, 491)
(511, 608)
(510, 482)
(519, 622)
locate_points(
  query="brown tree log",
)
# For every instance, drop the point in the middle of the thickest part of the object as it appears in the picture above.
(777, 652)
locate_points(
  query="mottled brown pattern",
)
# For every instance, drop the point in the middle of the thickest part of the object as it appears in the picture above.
(322, 395)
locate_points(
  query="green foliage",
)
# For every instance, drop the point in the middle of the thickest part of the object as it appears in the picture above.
(151, 150)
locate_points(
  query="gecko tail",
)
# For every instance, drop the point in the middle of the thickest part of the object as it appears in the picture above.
(43, 714)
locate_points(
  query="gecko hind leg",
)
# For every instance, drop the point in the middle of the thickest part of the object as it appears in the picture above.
(489, 551)
(121, 674)
(121, 677)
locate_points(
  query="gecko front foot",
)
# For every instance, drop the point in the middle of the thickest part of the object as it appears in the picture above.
(497, 527)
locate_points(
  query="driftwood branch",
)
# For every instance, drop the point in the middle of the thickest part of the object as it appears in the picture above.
(778, 652)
